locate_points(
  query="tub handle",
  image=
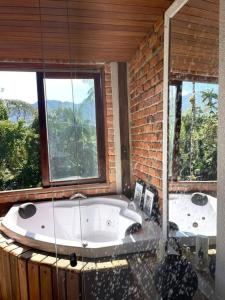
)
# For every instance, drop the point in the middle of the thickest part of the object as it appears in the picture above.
(73, 259)
(84, 244)
(27, 210)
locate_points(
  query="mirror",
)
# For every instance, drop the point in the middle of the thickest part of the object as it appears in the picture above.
(192, 131)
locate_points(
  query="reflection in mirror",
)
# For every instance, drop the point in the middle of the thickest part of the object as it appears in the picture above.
(193, 121)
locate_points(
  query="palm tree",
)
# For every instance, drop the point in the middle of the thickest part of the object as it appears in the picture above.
(210, 98)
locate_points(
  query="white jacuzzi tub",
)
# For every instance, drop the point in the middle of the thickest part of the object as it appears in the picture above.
(192, 219)
(93, 227)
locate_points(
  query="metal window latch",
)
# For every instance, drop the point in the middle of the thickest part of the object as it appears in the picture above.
(73, 259)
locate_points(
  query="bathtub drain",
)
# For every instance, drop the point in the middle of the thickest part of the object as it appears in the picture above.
(109, 222)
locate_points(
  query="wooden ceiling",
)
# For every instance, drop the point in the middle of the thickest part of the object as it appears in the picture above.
(82, 30)
(195, 39)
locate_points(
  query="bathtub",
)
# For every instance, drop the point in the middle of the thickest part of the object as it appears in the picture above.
(193, 219)
(93, 227)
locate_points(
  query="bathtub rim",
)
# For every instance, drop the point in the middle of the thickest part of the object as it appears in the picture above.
(117, 201)
(127, 245)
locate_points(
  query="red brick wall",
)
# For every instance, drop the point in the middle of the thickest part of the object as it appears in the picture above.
(90, 189)
(193, 186)
(146, 108)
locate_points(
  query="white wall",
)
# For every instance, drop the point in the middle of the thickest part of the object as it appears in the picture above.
(220, 259)
(220, 262)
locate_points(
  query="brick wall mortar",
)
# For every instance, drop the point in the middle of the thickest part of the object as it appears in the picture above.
(146, 108)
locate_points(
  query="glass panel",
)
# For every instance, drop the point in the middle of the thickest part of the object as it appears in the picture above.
(198, 137)
(71, 125)
(63, 132)
(193, 191)
(19, 131)
(113, 239)
(118, 249)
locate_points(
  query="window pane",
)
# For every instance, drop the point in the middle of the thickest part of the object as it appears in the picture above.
(19, 131)
(198, 138)
(71, 125)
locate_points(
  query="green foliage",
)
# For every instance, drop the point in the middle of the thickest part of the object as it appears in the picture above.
(210, 98)
(204, 137)
(72, 145)
(19, 148)
(20, 109)
(30, 176)
(3, 111)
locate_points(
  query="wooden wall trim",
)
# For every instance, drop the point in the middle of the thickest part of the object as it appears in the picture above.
(116, 125)
(124, 127)
(43, 130)
(54, 65)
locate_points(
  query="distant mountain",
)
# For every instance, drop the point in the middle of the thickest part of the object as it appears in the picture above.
(18, 109)
(86, 109)
(54, 104)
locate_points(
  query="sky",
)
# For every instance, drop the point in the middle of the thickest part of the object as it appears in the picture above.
(22, 86)
(187, 87)
(187, 91)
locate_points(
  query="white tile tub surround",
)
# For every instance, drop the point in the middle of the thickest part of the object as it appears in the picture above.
(93, 227)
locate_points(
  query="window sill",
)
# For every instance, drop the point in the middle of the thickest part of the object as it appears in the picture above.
(57, 192)
(193, 186)
(192, 181)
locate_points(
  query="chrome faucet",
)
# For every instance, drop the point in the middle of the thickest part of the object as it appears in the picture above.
(78, 196)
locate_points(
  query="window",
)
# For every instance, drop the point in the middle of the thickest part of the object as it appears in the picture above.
(19, 131)
(73, 139)
(193, 153)
(51, 129)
